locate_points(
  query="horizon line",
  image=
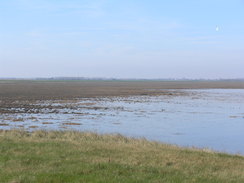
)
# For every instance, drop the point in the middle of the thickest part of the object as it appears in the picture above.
(114, 78)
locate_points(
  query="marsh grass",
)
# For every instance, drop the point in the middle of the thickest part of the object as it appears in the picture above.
(70, 156)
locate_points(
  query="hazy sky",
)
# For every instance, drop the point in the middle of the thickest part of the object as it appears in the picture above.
(122, 38)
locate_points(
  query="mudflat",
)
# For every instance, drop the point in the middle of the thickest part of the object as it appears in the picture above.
(27, 94)
(51, 90)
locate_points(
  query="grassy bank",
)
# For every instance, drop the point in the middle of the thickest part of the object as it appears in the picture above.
(87, 157)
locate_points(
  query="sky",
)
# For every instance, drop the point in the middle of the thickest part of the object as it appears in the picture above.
(153, 39)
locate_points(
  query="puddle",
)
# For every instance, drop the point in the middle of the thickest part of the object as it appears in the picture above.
(211, 118)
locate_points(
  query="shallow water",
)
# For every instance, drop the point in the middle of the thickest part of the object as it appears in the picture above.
(211, 118)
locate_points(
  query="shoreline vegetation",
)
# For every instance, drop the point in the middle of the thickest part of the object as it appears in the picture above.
(72, 156)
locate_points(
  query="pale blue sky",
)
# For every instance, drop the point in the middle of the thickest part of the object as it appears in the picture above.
(122, 39)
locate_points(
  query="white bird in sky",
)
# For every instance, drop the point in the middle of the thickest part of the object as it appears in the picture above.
(217, 28)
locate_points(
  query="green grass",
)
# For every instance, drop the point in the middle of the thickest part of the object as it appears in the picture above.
(59, 156)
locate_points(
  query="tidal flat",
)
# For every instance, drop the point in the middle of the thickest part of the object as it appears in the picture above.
(189, 114)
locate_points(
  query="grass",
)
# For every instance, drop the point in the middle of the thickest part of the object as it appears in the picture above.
(69, 156)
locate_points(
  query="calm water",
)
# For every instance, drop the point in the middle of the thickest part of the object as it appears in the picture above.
(212, 118)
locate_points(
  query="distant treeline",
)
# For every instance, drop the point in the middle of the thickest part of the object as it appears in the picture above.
(119, 79)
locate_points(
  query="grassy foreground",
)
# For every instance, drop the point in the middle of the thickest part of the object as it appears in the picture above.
(59, 156)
